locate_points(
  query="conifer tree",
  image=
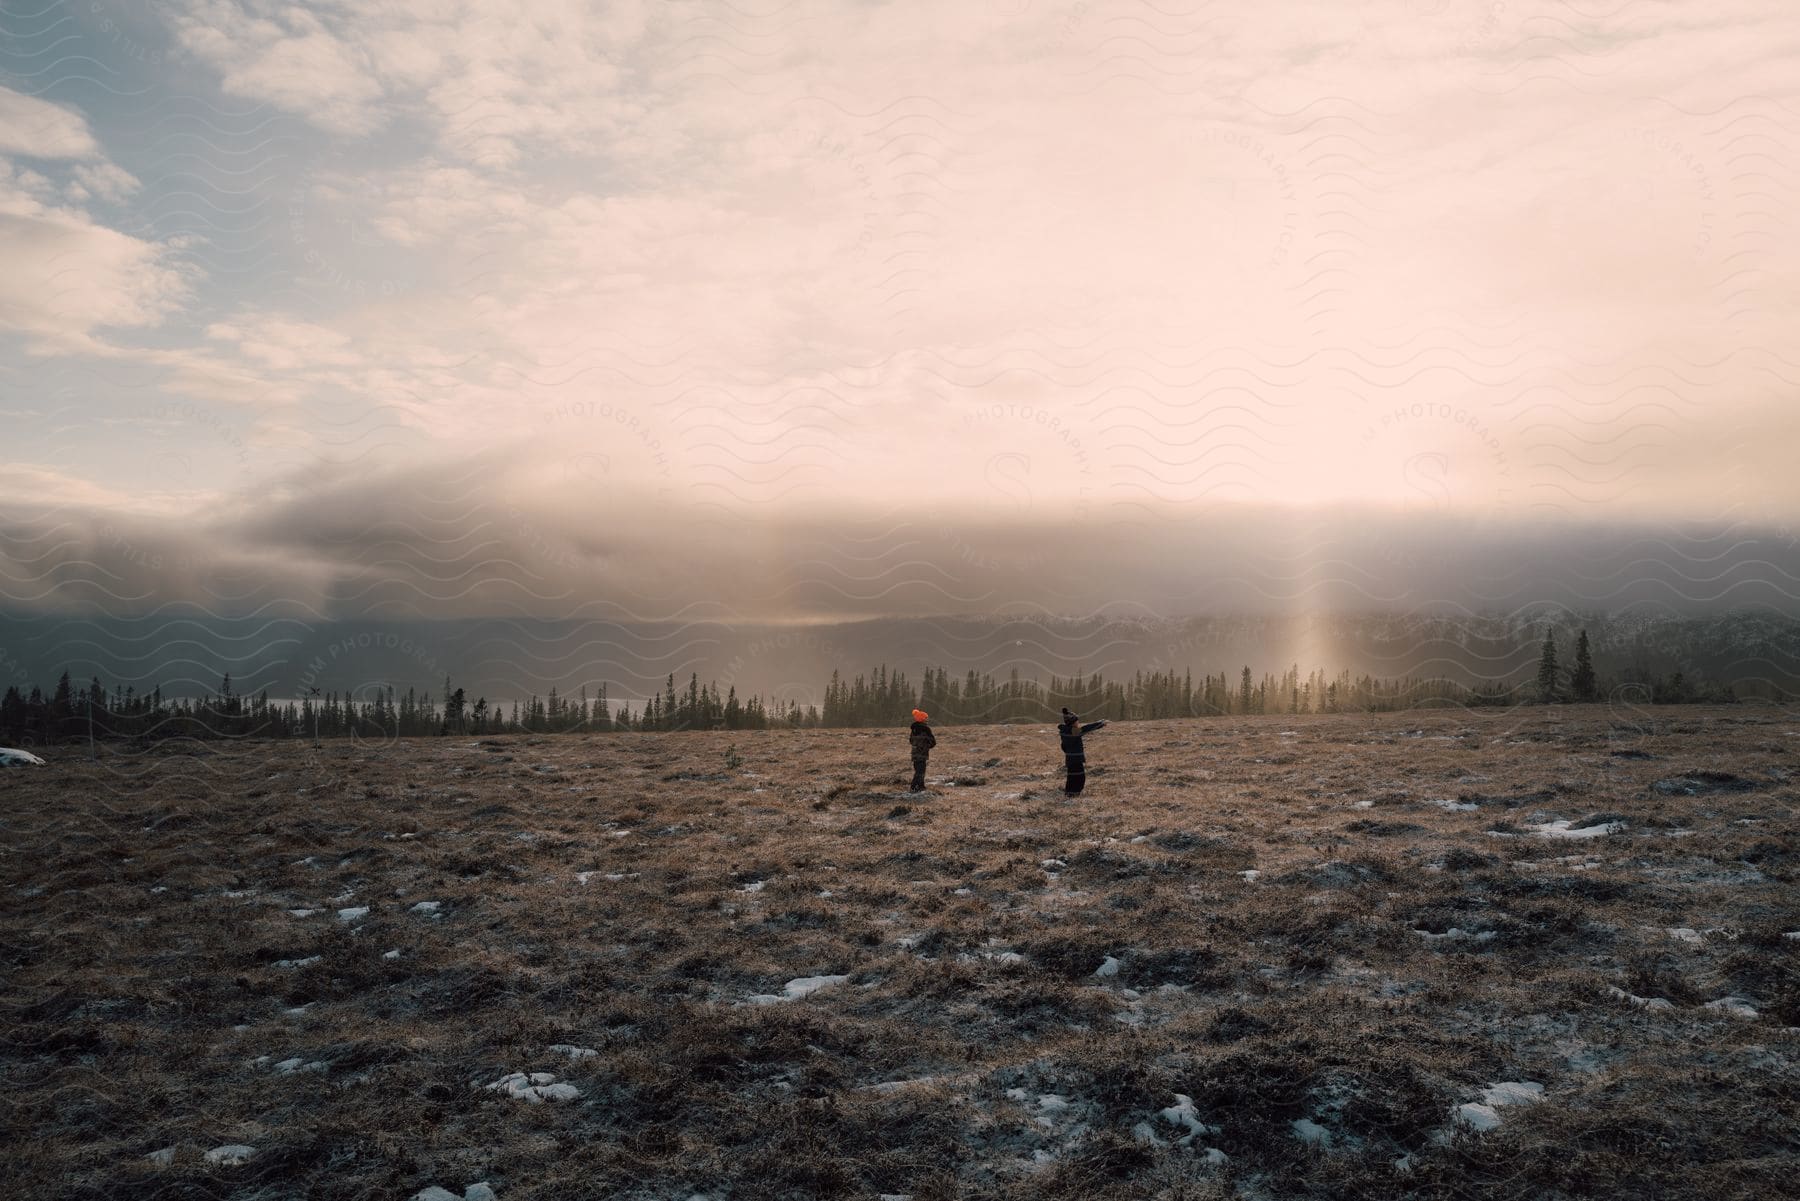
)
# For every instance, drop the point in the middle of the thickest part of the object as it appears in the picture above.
(1547, 671)
(1583, 682)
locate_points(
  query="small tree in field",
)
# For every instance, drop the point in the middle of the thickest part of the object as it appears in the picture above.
(1582, 682)
(1547, 669)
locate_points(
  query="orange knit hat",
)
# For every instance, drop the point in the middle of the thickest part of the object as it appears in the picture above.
(921, 715)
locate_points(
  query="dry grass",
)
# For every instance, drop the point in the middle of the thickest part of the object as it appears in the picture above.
(146, 920)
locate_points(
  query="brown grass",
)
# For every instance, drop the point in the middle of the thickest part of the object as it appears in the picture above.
(139, 994)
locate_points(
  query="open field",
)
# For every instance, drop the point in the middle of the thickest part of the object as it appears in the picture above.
(1261, 957)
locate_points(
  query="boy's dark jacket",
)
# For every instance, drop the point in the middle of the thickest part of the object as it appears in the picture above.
(921, 737)
(1071, 737)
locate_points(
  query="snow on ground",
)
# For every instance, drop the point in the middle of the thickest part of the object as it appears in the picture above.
(306, 962)
(1109, 967)
(1182, 1116)
(353, 914)
(302, 912)
(1736, 1007)
(1311, 1133)
(1651, 1003)
(230, 1154)
(475, 1192)
(427, 908)
(534, 1087)
(13, 757)
(572, 1052)
(1565, 829)
(1483, 1115)
(801, 986)
(162, 1158)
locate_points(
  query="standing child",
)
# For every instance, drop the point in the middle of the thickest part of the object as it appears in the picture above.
(922, 740)
(1074, 753)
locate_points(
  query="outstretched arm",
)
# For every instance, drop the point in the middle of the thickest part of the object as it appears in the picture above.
(1092, 726)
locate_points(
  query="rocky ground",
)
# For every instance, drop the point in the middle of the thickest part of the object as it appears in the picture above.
(1536, 953)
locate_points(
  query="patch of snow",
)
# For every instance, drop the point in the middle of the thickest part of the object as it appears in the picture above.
(13, 757)
(755, 886)
(1250, 877)
(301, 912)
(894, 1086)
(534, 1087)
(230, 1154)
(1565, 829)
(1651, 1003)
(805, 986)
(1183, 1114)
(1362, 804)
(393, 954)
(1736, 1007)
(1456, 806)
(307, 962)
(1108, 968)
(479, 1191)
(1482, 1116)
(434, 1193)
(1052, 863)
(1683, 934)
(1514, 1092)
(162, 1158)
(1477, 1117)
(351, 915)
(1311, 1133)
(288, 1067)
(793, 990)
(1455, 934)
(572, 1052)
(427, 908)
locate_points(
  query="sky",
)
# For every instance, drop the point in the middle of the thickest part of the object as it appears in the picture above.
(805, 311)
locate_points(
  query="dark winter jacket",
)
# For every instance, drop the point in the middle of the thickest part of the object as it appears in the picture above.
(922, 739)
(1072, 735)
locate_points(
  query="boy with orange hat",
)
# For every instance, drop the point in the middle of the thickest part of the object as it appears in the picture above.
(922, 740)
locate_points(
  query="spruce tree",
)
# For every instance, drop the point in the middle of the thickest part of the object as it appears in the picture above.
(1583, 682)
(1547, 669)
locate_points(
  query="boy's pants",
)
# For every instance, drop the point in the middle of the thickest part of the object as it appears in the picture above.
(918, 780)
(1077, 769)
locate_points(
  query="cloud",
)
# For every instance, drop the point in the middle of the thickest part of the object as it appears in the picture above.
(287, 55)
(37, 128)
(68, 276)
(1014, 264)
(496, 534)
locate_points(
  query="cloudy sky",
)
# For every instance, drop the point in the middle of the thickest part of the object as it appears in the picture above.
(808, 309)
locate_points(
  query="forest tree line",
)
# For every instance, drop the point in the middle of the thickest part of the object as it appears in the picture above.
(73, 713)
